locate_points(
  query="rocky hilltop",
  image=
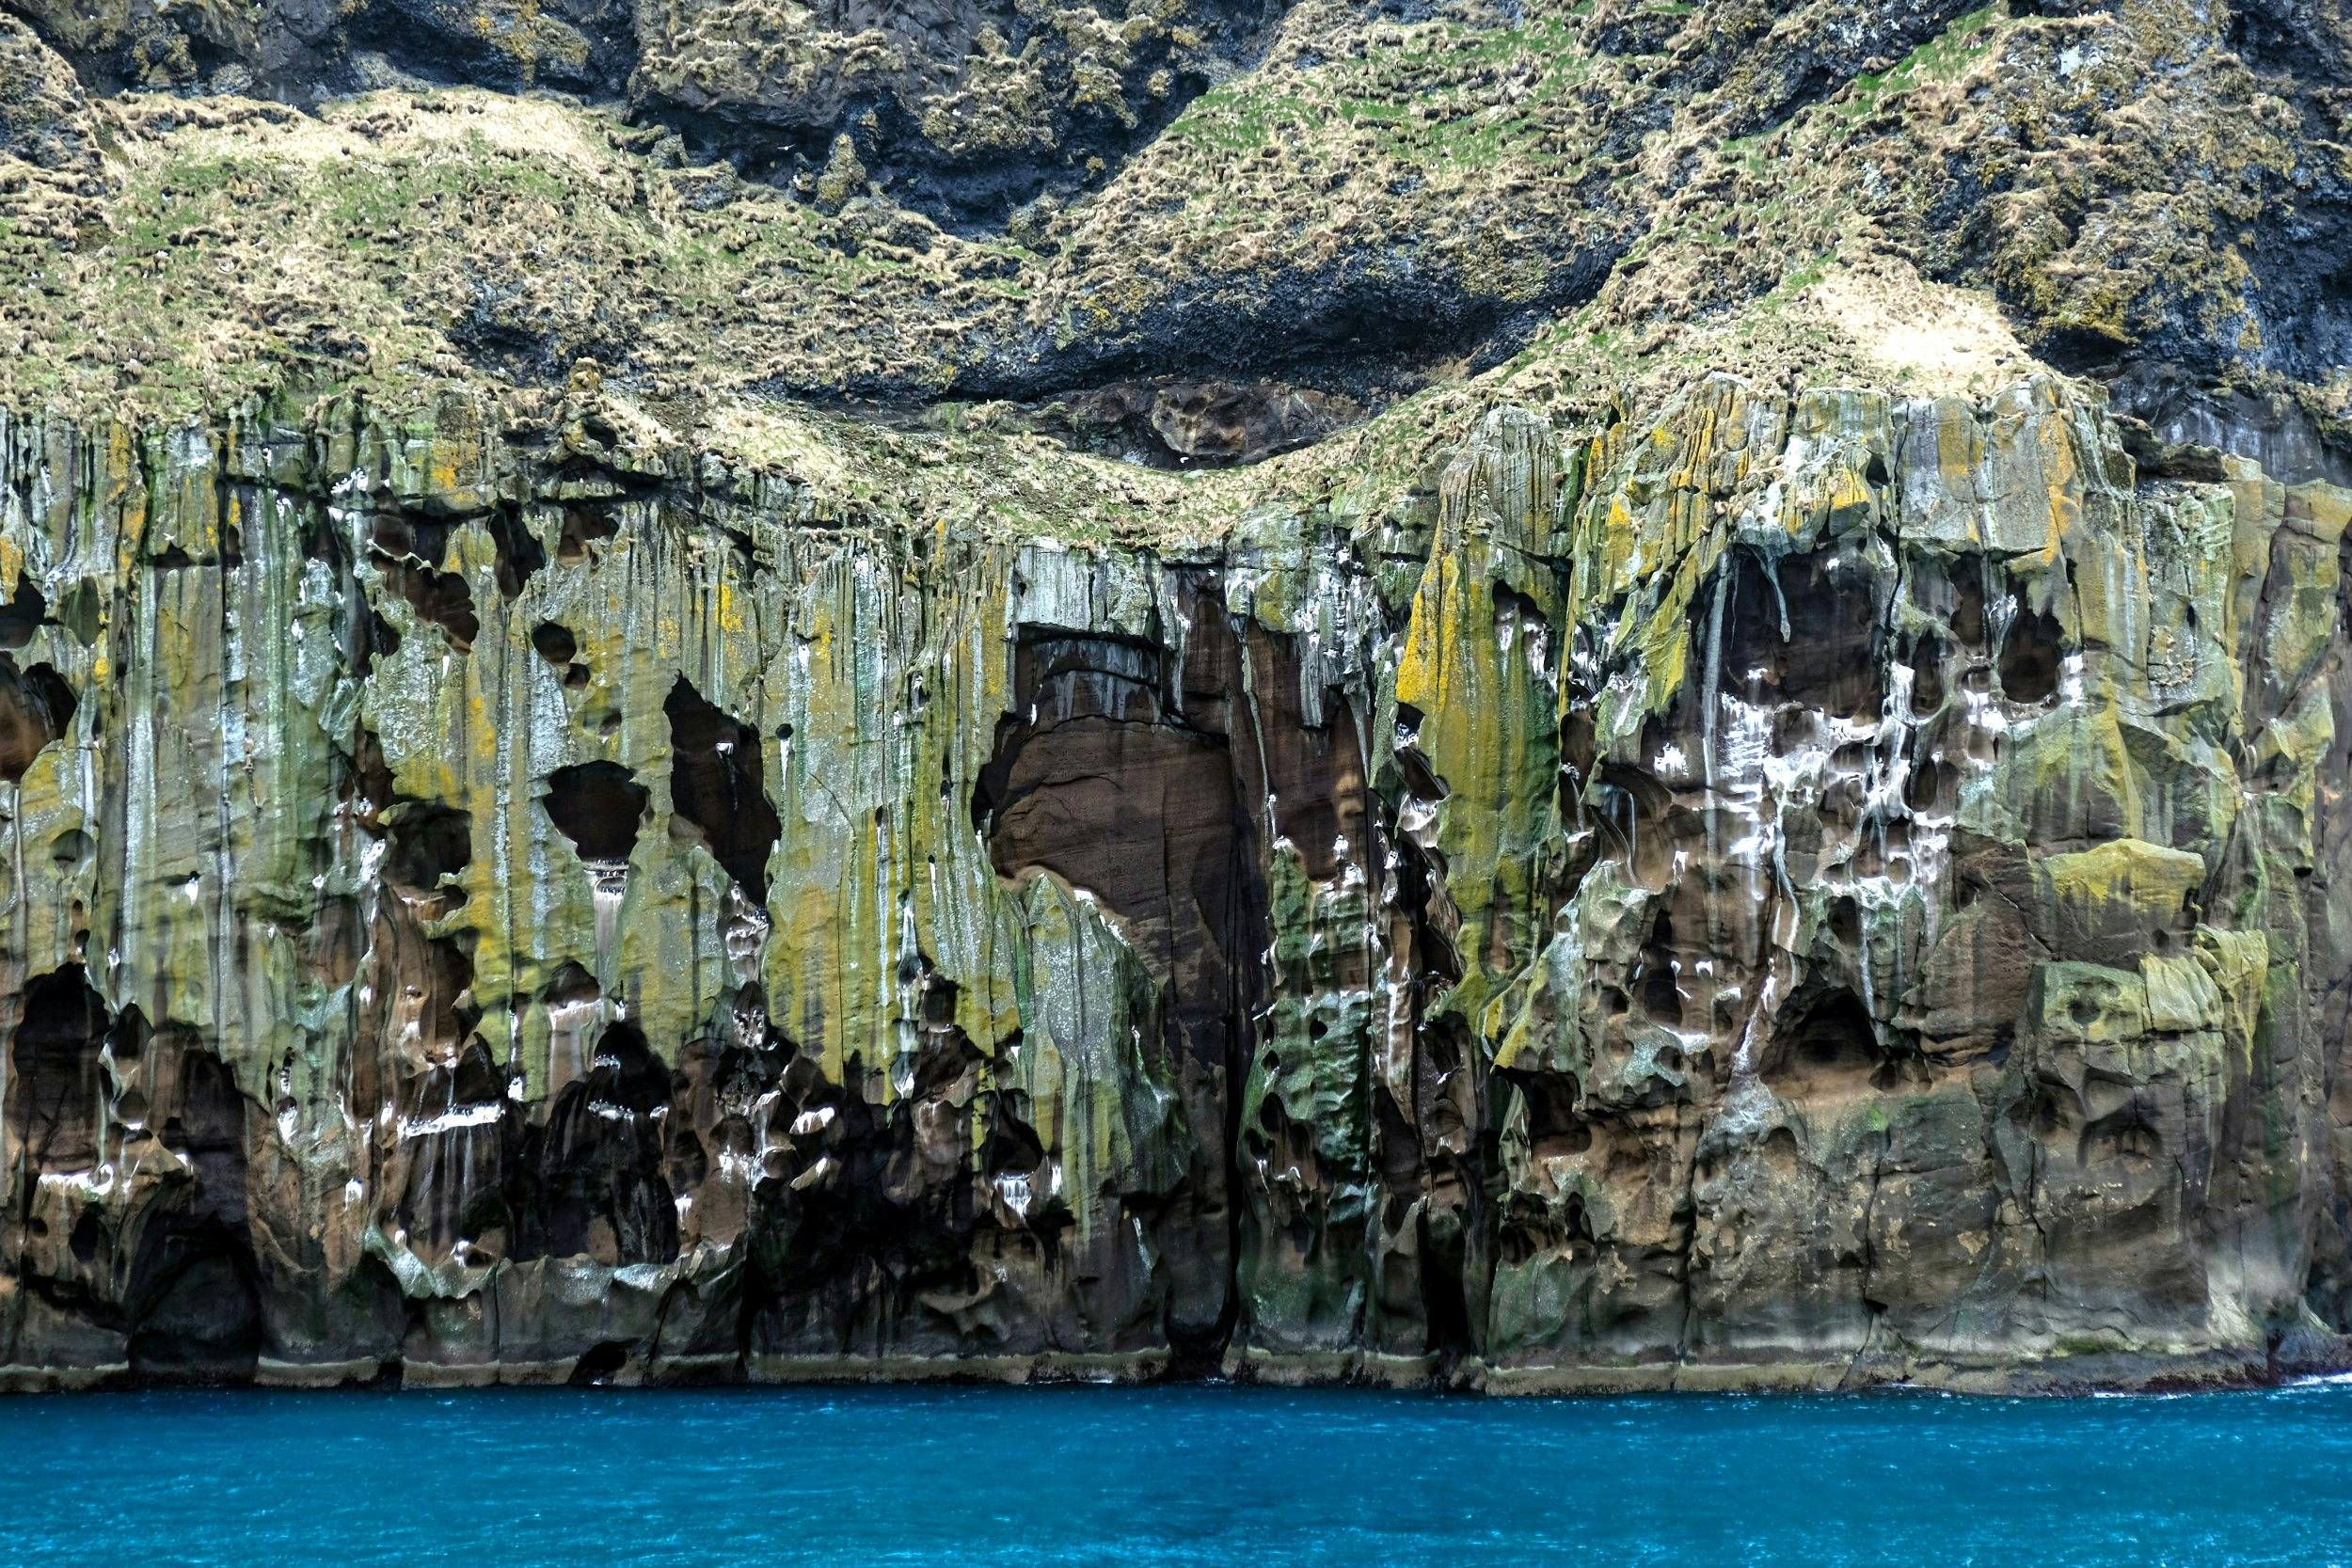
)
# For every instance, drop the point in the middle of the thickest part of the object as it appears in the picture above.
(1535, 695)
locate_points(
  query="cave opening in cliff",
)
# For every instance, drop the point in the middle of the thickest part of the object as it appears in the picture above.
(35, 707)
(427, 842)
(2033, 653)
(1554, 1126)
(23, 614)
(194, 1297)
(439, 598)
(54, 1112)
(1828, 1045)
(717, 786)
(586, 529)
(1804, 629)
(596, 1166)
(197, 1317)
(600, 807)
(520, 556)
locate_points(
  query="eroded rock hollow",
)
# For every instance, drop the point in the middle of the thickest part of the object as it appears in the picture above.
(1831, 887)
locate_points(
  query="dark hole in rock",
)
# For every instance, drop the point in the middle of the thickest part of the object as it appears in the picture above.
(599, 807)
(716, 786)
(22, 615)
(570, 985)
(69, 849)
(601, 1191)
(1845, 922)
(427, 841)
(555, 642)
(207, 1129)
(200, 1321)
(2031, 655)
(1827, 1045)
(519, 555)
(1931, 785)
(1927, 675)
(398, 534)
(1013, 1146)
(1968, 577)
(626, 1073)
(35, 707)
(1661, 993)
(1805, 631)
(382, 640)
(88, 1238)
(440, 597)
(1420, 782)
(584, 526)
(599, 1363)
(1553, 1127)
(1445, 1298)
(53, 1092)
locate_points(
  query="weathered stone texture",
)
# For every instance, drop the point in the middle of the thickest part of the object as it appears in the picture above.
(1765, 889)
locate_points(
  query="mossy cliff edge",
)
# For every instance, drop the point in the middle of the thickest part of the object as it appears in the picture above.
(1697, 741)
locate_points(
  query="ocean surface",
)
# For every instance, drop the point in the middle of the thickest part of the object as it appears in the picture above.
(1196, 1474)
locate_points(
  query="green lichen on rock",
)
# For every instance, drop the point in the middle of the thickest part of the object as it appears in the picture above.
(1765, 889)
(1477, 704)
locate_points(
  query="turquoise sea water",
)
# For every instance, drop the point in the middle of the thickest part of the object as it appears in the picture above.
(1199, 1475)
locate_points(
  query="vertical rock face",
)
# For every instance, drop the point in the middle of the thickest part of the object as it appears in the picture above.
(1765, 889)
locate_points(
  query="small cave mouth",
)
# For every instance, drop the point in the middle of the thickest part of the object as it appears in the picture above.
(1013, 1148)
(23, 614)
(599, 1363)
(427, 842)
(200, 1321)
(36, 707)
(1805, 629)
(554, 643)
(600, 807)
(1662, 984)
(717, 786)
(520, 556)
(1830, 1045)
(625, 1072)
(597, 1168)
(53, 1108)
(585, 531)
(440, 597)
(2033, 653)
(1553, 1127)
